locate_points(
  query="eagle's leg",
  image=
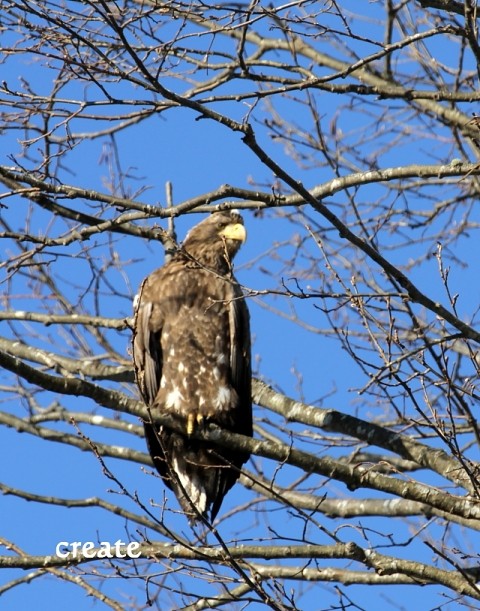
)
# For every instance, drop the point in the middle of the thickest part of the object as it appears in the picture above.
(190, 423)
(196, 418)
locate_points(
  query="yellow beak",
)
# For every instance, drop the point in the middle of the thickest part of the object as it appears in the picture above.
(235, 231)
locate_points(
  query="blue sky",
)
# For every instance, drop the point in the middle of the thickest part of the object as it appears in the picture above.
(197, 157)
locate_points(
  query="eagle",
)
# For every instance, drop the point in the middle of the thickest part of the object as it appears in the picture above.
(191, 353)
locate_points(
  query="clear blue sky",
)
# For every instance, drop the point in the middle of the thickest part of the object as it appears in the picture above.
(196, 157)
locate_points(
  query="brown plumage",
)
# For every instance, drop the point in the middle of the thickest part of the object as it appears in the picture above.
(191, 351)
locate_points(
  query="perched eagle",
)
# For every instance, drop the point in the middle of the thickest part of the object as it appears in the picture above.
(191, 351)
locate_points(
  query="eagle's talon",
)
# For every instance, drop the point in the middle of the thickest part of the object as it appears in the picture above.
(190, 424)
(194, 420)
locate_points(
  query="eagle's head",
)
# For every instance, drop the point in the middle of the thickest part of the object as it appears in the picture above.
(217, 237)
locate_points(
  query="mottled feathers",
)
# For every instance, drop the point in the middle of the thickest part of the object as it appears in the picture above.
(191, 352)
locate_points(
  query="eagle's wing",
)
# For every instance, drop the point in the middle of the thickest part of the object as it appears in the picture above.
(241, 371)
(240, 375)
(147, 350)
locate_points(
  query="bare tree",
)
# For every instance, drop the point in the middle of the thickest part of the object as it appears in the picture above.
(357, 123)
